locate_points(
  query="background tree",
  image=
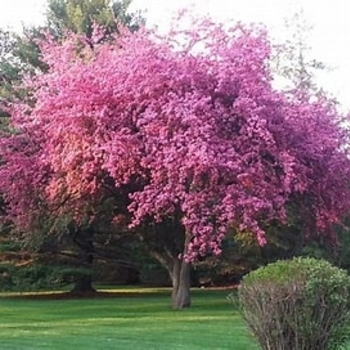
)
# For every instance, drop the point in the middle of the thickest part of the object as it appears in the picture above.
(293, 62)
(8, 70)
(79, 16)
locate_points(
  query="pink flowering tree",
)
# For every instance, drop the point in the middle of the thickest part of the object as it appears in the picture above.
(186, 135)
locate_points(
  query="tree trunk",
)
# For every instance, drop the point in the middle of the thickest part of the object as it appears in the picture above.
(83, 284)
(84, 240)
(181, 283)
(171, 241)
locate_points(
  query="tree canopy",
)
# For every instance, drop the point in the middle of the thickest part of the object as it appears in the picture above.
(201, 132)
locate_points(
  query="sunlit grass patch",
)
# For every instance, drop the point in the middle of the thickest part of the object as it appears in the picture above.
(126, 322)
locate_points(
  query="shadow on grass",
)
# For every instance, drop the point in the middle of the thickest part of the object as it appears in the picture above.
(77, 295)
(104, 293)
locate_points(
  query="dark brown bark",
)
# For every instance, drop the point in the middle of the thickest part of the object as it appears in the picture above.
(83, 284)
(83, 238)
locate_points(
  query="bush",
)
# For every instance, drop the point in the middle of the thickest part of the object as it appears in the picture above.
(299, 304)
(37, 277)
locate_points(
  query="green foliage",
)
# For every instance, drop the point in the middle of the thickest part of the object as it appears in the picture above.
(18, 57)
(337, 254)
(37, 277)
(7, 71)
(79, 16)
(154, 274)
(241, 254)
(301, 304)
(10, 247)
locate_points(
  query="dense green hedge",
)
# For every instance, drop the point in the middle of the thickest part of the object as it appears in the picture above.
(37, 277)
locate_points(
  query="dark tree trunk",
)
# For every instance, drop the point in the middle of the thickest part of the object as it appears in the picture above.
(82, 285)
(181, 283)
(84, 240)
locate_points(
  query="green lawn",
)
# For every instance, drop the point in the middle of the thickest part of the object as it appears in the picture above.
(130, 322)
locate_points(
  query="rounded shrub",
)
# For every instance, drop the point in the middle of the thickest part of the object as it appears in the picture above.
(299, 304)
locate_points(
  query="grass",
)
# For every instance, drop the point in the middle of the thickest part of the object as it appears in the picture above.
(131, 319)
